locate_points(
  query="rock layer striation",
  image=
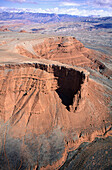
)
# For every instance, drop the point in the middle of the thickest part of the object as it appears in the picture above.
(51, 112)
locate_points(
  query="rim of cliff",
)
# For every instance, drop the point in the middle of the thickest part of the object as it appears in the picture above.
(10, 55)
(81, 120)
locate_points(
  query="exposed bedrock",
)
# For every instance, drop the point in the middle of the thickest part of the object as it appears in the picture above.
(66, 50)
(96, 155)
(46, 110)
(21, 83)
(51, 113)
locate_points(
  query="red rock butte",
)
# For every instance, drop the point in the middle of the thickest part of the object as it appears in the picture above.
(48, 108)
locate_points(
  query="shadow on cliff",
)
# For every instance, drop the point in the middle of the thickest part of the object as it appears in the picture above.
(69, 85)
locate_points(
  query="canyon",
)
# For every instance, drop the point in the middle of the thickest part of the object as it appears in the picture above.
(66, 50)
(55, 105)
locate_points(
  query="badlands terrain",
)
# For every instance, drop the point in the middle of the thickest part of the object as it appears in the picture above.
(55, 98)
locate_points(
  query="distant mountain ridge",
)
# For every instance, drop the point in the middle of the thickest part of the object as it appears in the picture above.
(36, 17)
(45, 17)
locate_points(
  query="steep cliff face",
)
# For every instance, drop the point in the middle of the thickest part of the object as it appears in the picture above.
(47, 109)
(66, 50)
(29, 87)
(63, 49)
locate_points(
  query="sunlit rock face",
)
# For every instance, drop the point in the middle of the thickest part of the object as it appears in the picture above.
(47, 110)
(66, 50)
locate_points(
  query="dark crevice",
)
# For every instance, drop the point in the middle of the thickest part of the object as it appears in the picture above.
(69, 83)
(25, 94)
(80, 135)
(59, 45)
(66, 97)
(101, 67)
(75, 108)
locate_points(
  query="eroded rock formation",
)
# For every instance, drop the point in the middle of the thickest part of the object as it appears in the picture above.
(66, 50)
(48, 109)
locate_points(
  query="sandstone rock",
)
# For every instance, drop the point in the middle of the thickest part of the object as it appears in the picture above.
(4, 29)
(48, 109)
(22, 31)
(67, 50)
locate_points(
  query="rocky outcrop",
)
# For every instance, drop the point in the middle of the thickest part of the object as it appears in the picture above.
(48, 110)
(66, 50)
(23, 31)
(4, 29)
(21, 84)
